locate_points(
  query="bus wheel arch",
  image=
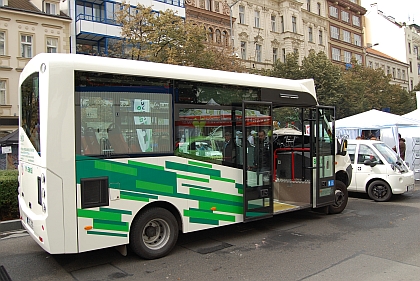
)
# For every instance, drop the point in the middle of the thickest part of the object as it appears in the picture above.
(154, 230)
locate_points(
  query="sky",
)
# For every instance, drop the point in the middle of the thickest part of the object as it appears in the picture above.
(402, 10)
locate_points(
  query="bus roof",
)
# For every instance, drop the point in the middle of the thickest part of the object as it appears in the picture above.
(277, 90)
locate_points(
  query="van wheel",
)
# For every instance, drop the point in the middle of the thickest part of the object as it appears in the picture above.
(154, 233)
(341, 198)
(379, 191)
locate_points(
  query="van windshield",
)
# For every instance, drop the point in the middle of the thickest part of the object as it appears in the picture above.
(389, 154)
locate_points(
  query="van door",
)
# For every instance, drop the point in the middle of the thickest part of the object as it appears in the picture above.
(364, 172)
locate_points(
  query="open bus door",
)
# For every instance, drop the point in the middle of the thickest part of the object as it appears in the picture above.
(257, 160)
(323, 156)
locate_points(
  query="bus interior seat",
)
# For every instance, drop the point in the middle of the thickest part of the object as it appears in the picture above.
(118, 143)
(90, 144)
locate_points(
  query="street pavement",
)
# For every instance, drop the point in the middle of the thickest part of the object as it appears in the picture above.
(368, 241)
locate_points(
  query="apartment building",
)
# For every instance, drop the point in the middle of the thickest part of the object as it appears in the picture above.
(412, 37)
(26, 29)
(214, 16)
(265, 31)
(397, 70)
(346, 31)
(94, 29)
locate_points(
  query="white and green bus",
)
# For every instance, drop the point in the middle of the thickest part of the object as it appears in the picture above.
(117, 152)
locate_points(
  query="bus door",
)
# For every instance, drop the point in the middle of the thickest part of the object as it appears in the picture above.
(257, 150)
(323, 156)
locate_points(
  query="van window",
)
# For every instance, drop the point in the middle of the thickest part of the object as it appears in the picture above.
(366, 153)
(351, 150)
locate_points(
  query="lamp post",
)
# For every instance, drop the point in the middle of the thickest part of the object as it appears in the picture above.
(231, 24)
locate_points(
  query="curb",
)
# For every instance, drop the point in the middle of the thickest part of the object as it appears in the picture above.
(10, 225)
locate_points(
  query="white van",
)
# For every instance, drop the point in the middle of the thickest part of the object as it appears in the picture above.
(378, 170)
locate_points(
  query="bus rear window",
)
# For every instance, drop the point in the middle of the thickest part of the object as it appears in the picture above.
(29, 115)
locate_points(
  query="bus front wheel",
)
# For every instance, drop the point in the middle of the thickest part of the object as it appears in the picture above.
(153, 233)
(341, 198)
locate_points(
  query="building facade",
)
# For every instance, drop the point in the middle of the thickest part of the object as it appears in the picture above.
(26, 29)
(94, 28)
(397, 70)
(412, 37)
(214, 16)
(345, 38)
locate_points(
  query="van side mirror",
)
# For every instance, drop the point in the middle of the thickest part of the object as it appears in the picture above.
(342, 147)
(369, 163)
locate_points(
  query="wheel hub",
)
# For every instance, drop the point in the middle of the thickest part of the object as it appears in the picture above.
(150, 231)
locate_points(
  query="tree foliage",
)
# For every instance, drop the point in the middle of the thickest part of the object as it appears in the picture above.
(165, 37)
(351, 91)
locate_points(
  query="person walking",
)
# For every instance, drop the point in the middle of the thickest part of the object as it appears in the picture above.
(401, 145)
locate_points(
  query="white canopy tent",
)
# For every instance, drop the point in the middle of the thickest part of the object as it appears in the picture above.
(389, 124)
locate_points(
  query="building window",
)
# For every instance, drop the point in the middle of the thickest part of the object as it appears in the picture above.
(335, 54)
(356, 20)
(347, 57)
(411, 85)
(2, 92)
(2, 43)
(411, 67)
(211, 35)
(273, 23)
(26, 46)
(318, 6)
(208, 5)
(335, 32)
(359, 58)
(225, 38)
(296, 51)
(258, 48)
(243, 50)
(418, 69)
(399, 73)
(216, 6)
(345, 16)
(283, 54)
(388, 70)
(311, 37)
(50, 8)
(357, 40)
(218, 36)
(52, 45)
(281, 24)
(370, 64)
(308, 5)
(346, 36)
(376, 65)
(403, 73)
(242, 14)
(257, 19)
(275, 54)
(321, 39)
(333, 12)
(294, 27)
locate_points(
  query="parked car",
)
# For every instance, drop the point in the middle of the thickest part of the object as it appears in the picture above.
(378, 170)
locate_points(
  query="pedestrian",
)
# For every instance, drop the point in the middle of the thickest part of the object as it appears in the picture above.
(229, 148)
(401, 144)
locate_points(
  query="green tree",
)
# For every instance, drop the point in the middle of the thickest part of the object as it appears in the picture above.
(289, 69)
(167, 38)
(327, 77)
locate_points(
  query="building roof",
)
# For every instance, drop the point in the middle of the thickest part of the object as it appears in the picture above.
(380, 54)
(27, 6)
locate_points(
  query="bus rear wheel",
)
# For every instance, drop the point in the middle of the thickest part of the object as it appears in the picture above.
(153, 233)
(341, 198)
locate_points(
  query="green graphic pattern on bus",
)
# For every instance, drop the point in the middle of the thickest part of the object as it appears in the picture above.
(145, 182)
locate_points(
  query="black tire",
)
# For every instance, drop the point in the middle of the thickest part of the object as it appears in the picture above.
(341, 198)
(380, 191)
(154, 233)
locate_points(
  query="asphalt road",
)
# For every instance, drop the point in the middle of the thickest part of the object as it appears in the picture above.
(368, 241)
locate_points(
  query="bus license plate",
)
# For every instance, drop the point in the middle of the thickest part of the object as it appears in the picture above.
(29, 222)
